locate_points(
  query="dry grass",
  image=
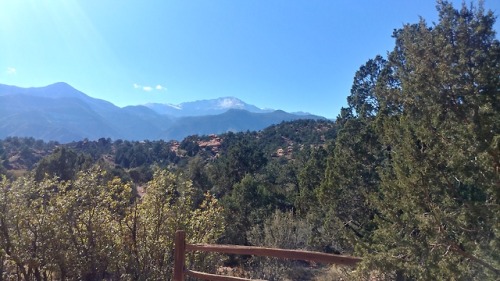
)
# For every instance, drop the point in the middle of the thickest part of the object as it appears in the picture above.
(334, 272)
(17, 173)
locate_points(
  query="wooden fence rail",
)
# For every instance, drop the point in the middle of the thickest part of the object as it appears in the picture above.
(181, 248)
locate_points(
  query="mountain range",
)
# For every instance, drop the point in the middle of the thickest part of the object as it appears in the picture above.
(204, 107)
(59, 112)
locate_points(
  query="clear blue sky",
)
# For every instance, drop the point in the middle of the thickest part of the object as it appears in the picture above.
(281, 54)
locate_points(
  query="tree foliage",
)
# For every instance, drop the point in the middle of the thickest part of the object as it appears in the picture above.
(417, 153)
(92, 228)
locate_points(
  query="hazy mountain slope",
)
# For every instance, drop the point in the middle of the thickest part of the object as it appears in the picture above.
(233, 120)
(61, 113)
(65, 120)
(57, 91)
(142, 123)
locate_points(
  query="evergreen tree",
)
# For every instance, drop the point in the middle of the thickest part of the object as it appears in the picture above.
(310, 178)
(63, 163)
(247, 205)
(351, 169)
(439, 114)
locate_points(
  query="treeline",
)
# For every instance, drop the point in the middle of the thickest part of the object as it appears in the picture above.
(407, 177)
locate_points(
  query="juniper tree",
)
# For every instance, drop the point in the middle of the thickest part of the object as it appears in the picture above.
(351, 172)
(438, 201)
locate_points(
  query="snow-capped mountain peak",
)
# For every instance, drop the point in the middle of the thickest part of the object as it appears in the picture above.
(204, 107)
(230, 102)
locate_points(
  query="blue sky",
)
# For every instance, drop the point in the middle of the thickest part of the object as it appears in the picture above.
(290, 55)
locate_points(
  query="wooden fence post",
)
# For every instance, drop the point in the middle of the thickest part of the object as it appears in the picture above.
(179, 255)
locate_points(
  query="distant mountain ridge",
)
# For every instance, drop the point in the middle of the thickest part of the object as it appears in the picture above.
(233, 120)
(204, 107)
(61, 113)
